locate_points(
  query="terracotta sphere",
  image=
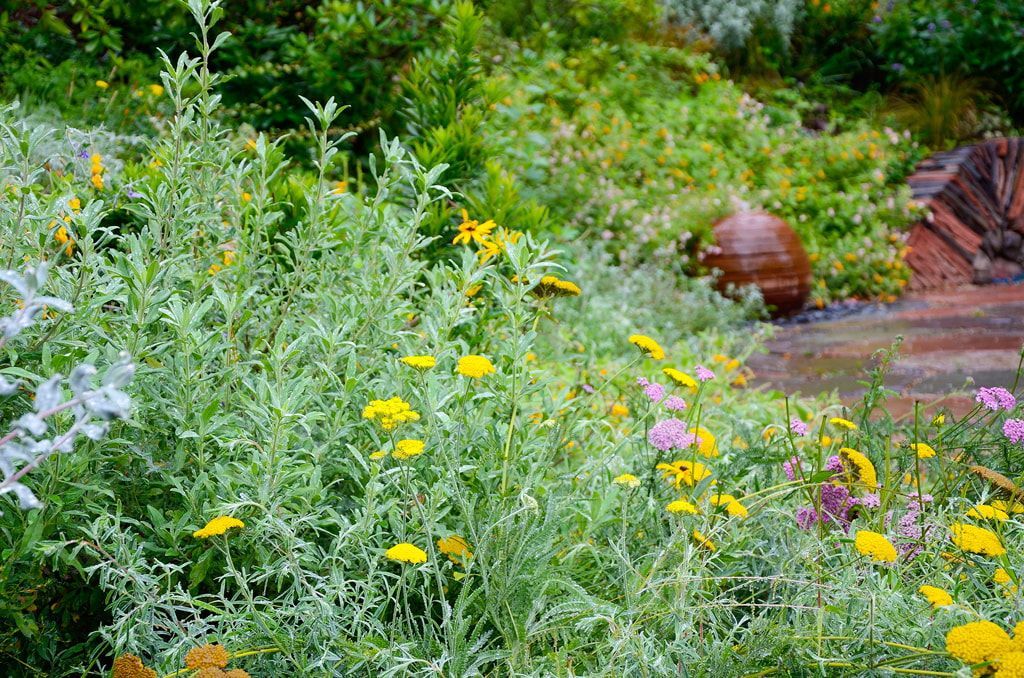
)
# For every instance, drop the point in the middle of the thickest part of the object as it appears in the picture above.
(760, 249)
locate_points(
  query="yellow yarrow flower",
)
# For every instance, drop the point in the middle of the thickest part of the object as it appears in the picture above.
(1009, 665)
(627, 479)
(406, 553)
(936, 596)
(978, 540)
(976, 642)
(390, 413)
(474, 366)
(156, 90)
(707, 445)
(647, 346)
(704, 541)
(618, 410)
(102, 84)
(1007, 506)
(681, 506)
(130, 666)
(865, 470)
(875, 546)
(552, 286)
(218, 525)
(843, 423)
(924, 450)
(680, 378)
(207, 656)
(455, 547)
(419, 362)
(407, 448)
(732, 506)
(986, 512)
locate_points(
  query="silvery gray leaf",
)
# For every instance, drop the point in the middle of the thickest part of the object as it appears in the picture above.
(9, 387)
(31, 423)
(24, 495)
(49, 395)
(54, 303)
(80, 380)
(95, 431)
(15, 281)
(119, 374)
(111, 404)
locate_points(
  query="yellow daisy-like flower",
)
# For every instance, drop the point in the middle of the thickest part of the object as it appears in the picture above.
(471, 230)
(627, 479)
(843, 423)
(936, 596)
(986, 512)
(681, 506)
(618, 410)
(680, 378)
(977, 642)
(406, 553)
(405, 449)
(706, 445)
(978, 540)
(732, 506)
(218, 525)
(207, 656)
(684, 471)
(75, 204)
(455, 547)
(924, 450)
(875, 546)
(704, 541)
(420, 362)
(647, 346)
(861, 465)
(474, 366)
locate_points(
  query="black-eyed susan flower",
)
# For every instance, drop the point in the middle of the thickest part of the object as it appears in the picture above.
(406, 553)
(875, 546)
(218, 525)
(474, 366)
(647, 346)
(471, 230)
(936, 596)
(455, 547)
(419, 362)
(977, 540)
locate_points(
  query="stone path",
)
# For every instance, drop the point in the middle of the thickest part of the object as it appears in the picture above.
(950, 338)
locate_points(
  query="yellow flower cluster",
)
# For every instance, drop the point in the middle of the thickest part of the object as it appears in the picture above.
(61, 234)
(704, 541)
(647, 346)
(218, 525)
(130, 666)
(456, 548)
(682, 506)
(986, 512)
(552, 286)
(406, 553)
(843, 423)
(420, 362)
(924, 450)
(404, 449)
(707, 444)
(474, 366)
(227, 258)
(207, 656)
(875, 546)
(936, 596)
(680, 378)
(627, 479)
(863, 469)
(390, 413)
(96, 162)
(978, 540)
(976, 642)
(732, 506)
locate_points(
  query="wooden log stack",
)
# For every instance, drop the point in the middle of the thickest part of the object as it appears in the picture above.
(975, 232)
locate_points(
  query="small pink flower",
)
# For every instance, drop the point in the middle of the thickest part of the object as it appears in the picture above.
(704, 374)
(1013, 429)
(798, 427)
(996, 398)
(675, 403)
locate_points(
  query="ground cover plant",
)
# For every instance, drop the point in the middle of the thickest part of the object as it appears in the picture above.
(376, 424)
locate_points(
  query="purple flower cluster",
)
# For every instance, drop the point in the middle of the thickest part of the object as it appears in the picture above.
(704, 374)
(996, 398)
(792, 467)
(1013, 429)
(834, 464)
(670, 434)
(675, 403)
(798, 427)
(653, 390)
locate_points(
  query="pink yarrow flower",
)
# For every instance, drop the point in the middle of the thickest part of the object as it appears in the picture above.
(704, 374)
(675, 403)
(670, 434)
(1013, 429)
(653, 390)
(798, 427)
(996, 398)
